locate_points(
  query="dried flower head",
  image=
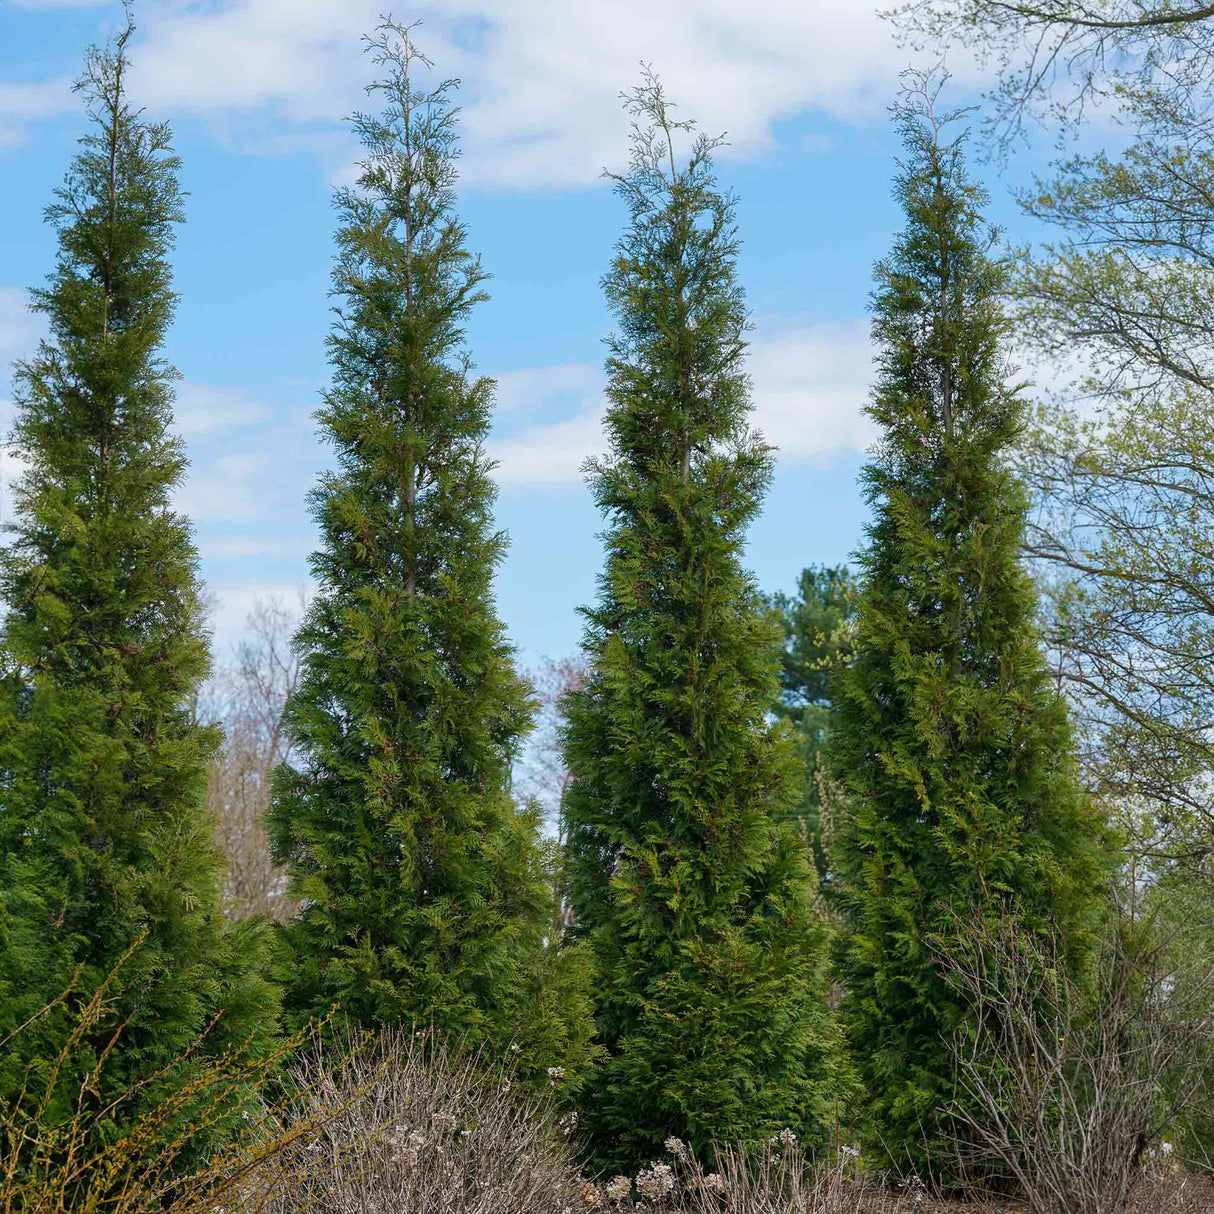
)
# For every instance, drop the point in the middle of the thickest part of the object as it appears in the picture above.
(656, 1181)
(676, 1146)
(589, 1193)
(619, 1188)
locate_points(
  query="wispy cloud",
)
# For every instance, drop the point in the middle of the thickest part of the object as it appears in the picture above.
(548, 454)
(541, 83)
(20, 328)
(207, 409)
(532, 388)
(811, 384)
(24, 102)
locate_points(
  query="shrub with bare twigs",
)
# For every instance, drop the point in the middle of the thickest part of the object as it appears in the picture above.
(1069, 1091)
(53, 1166)
(431, 1128)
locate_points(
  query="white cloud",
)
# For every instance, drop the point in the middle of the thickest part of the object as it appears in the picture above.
(524, 390)
(24, 102)
(548, 454)
(541, 88)
(811, 384)
(20, 328)
(234, 601)
(205, 409)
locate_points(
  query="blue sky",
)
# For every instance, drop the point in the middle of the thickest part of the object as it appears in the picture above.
(256, 90)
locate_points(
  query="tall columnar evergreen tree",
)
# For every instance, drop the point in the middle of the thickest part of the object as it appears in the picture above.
(104, 842)
(709, 990)
(426, 894)
(948, 733)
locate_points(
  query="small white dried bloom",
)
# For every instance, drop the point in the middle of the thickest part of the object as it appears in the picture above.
(588, 1191)
(656, 1182)
(676, 1146)
(555, 1073)
(416, 1140)
(714, 1182)
(443, 1121)
(568, 1123)
(849, 1152)
(619, 1188)
(515, 1048)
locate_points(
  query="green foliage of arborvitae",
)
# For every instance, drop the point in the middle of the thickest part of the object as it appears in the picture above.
(709, 989)
(951, 741)
(813, 621)
(426, 892)
(103, 834)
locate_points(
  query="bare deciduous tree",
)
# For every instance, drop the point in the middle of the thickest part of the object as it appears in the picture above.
(543, 776)
(249, 697)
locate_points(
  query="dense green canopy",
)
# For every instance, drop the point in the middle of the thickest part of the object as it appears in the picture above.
(948, 735)
(710, 990)
(426, 892)
(104, 842)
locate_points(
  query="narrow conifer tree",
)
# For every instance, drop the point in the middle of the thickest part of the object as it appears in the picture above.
(104, 840)
(709, 985)
(948, 734)
(426, 893)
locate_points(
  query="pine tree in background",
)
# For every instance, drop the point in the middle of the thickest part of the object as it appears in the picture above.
(104, 839)
(813, 620)
(427, 894)
(951, 741)
(709, 989)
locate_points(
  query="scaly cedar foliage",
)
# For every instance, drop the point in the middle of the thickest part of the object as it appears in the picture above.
(104, 839)
(710, 992)
(949, 736)
(427, 894)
